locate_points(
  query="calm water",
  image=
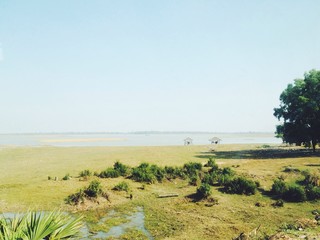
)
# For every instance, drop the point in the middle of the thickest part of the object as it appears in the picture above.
(127, 139)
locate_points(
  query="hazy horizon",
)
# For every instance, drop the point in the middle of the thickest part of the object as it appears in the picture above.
(127, 66)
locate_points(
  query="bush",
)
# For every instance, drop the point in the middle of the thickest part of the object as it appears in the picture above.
(204, 191)
(94, 189)
(312, 178)
(122, 186)
(66, 177)
(223, 179)
(209, 178)
(76, 198)
(241, 185)
(278, 203)
(228, 171)
(313, 193)
(279, 187)
(109, 173)
(143, 173)
(294, 193)
(194, 180)
(192, 168)
(85, 173)
(174, 172)
(121, 168)
(212, 163)
(158, 172)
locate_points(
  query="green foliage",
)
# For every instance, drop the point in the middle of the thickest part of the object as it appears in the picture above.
(158, 172)
(194, 180)
(241, 185)
(294, 193)
(174, 172)
(121, 168)
(92, 191)
(278, 203)
(66, 177)
(204, 190)
(313, 192)
(37, 225)
(299, 108)
(109, 173)
(122, 186)
(212, 163)
(192, 168)
(76, 198)
(312, 178)
(85, 173)
(209, 178)
(279, 187)
(143, 173)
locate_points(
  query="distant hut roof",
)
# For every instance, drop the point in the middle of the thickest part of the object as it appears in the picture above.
(188, 141)
(214, 139)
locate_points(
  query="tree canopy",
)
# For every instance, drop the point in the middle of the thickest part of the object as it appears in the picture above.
(300, 110)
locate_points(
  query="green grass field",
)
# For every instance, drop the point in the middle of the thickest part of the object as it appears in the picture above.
(24, 185)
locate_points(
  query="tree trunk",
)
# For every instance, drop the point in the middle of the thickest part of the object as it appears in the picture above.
(314, 143)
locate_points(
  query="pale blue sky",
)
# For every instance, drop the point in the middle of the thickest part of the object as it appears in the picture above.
(151, 65)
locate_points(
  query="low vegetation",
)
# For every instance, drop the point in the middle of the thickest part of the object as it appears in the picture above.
(299, 191)
(122, 186)
(92, 192)
(193, 213)
(40, 225)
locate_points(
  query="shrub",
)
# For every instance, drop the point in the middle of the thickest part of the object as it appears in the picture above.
(312, 178)
(66, 177)
(122, 186)
(294, 193)
(174, 172)
(85, 173)
(109, 173)
(121, 168)
(313, 193)
(194, 180)
(223, 179)
(76, 198)
(212, 163)
(279, 187)
(94, 189)
(241, 185)
(209, 178)
(204, 190)
(143, 173)
(158, 172)
(224, 176)
(228, 171)
(278, 203)
(192, 168)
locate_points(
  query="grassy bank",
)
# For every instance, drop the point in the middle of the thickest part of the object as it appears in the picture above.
(24, 184)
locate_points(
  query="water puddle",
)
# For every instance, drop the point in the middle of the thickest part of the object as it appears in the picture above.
(134, 221)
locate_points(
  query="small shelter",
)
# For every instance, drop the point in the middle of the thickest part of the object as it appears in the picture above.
(188, 141)
(215, 140)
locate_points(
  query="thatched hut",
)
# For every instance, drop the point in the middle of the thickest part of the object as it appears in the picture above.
(188, 141)
(215, 140)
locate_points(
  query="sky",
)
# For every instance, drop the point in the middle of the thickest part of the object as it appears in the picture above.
(121, 66)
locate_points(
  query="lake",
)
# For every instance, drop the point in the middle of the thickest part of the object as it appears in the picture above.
(132, 139)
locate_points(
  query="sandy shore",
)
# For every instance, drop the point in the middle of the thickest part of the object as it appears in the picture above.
(67, 140)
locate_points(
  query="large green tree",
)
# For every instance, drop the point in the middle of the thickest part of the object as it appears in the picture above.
(300, 111)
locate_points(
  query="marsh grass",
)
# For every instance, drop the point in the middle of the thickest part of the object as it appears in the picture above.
(24, 185)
